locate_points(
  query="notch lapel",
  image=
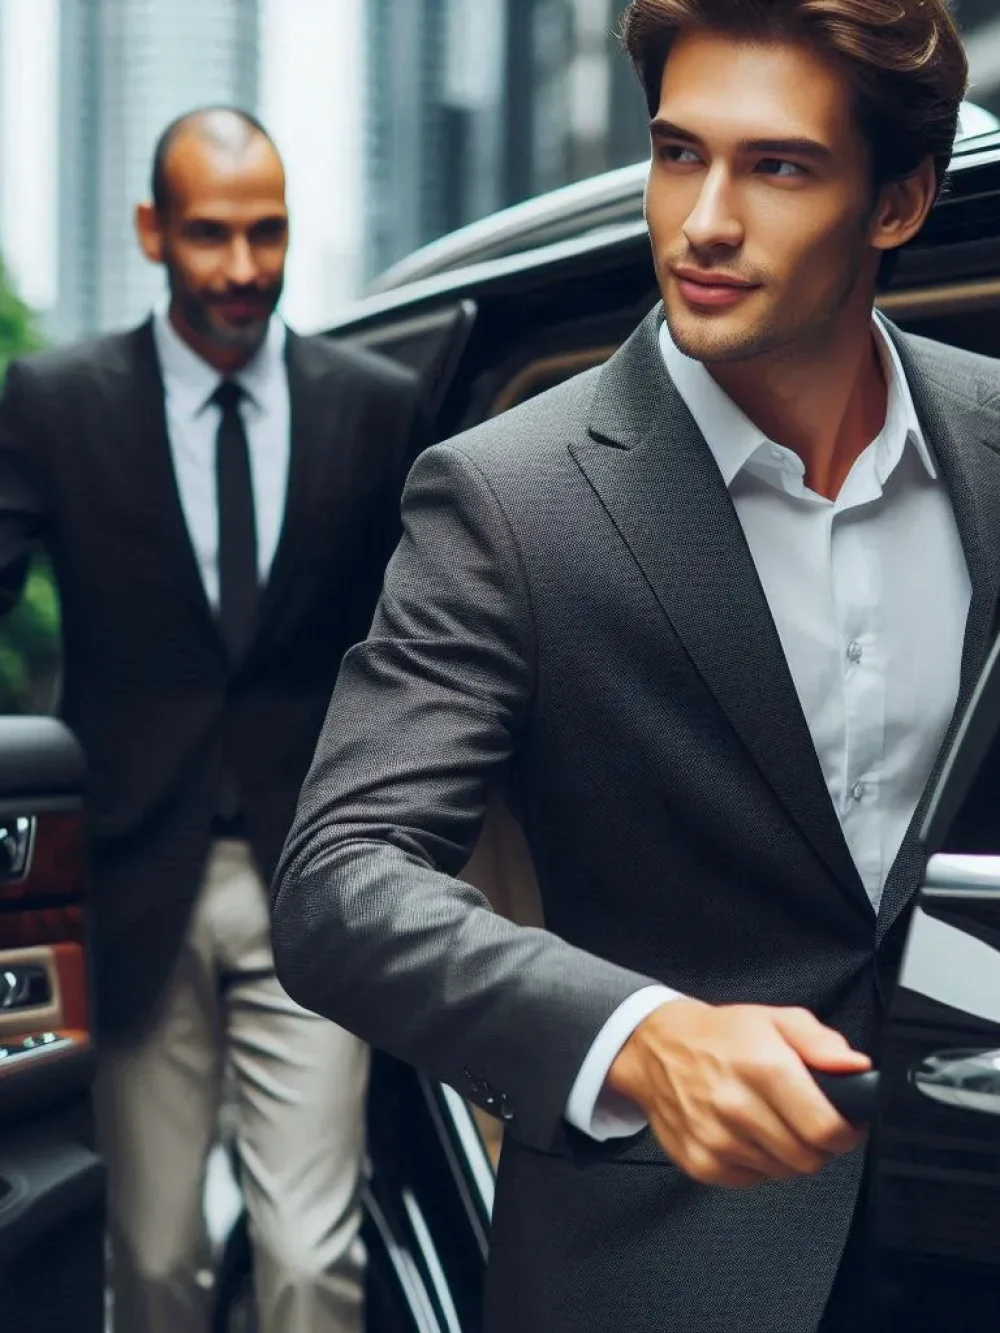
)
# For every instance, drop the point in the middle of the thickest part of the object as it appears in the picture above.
(661, 487)
(963, 427)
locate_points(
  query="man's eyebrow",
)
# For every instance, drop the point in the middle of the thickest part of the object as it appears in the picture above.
(792, 147)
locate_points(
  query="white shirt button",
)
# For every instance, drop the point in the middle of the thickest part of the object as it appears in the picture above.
(854, 651)
(777, 452)
(858, 790)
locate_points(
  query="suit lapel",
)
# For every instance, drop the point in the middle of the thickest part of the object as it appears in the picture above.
(156, 486)
(655, 475)
(314, 403)
(965, 438)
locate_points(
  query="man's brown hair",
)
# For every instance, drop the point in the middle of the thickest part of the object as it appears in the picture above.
(903, 58)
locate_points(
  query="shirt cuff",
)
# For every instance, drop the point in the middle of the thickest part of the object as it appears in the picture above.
(593, 1108)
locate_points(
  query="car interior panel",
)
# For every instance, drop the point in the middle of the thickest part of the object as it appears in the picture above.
(51, 1179)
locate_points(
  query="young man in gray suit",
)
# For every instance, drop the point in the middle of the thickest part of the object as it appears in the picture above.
(712, 608)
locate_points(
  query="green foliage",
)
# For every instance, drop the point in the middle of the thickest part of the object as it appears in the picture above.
(29, 636)
(18, 331)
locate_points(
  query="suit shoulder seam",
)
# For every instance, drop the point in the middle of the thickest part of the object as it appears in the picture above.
(480, 472)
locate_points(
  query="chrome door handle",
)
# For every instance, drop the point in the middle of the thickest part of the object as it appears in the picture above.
(17, 837)
(24, 986)
(968, 1080)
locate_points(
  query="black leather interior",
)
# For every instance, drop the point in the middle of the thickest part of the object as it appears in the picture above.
(38, 756)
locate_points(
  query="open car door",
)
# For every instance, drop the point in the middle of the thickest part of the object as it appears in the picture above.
(51, 1181)
(937, 1133)
(934, 1103)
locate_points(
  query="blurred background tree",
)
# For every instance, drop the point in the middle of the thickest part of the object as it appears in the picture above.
(29, 636)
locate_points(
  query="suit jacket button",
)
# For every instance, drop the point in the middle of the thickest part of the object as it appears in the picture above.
(506, 1110)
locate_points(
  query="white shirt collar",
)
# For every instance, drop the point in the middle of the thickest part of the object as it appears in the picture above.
(738, 445)
(190, 381)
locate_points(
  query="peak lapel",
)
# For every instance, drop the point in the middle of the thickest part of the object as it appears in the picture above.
(656, 477)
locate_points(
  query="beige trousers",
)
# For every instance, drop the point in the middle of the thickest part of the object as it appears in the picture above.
(296, 1087)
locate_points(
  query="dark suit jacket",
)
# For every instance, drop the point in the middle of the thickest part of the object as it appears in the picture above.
(86, 470)
(574, 607)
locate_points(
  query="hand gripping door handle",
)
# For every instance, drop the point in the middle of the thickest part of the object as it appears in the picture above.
(855, 1096)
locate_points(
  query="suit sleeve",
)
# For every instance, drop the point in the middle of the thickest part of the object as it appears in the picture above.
(22, 515)
(370, 927)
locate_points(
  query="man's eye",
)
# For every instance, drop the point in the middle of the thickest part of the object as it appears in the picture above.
(267, 233)
(672, 152)
(204, 231)
(775, 166)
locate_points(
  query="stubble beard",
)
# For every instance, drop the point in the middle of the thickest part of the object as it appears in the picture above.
(783, 331)
(197, 314)
(227, 337)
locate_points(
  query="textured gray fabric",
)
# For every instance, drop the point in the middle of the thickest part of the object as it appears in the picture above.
(573, 608)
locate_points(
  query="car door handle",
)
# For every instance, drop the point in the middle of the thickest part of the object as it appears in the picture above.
(24, 986)
(17, 837)
(966, 1079)
(855, 1096)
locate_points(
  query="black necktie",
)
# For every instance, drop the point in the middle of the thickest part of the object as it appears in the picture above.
(238, 588)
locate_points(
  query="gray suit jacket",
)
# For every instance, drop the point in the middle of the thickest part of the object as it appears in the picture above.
(573, 609)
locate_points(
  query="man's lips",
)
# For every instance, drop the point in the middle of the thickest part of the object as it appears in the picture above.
(714, 290)
(242, 307)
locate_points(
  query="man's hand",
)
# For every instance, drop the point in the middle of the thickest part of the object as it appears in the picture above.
(728, 1093)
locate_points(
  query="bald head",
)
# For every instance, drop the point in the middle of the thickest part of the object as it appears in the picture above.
(218, 223)
(227, 132)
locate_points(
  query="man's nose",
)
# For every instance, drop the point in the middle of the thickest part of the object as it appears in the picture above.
(242, 267)
(714, 222)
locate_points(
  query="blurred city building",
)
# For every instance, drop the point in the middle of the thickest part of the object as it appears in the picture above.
(476, 104)
(980, 21)
(126, 68)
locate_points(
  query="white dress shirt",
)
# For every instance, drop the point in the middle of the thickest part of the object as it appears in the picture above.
(870, 594)
(192, 425)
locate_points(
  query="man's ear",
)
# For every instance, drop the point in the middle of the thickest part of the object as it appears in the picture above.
(149, 229)
(903, 207)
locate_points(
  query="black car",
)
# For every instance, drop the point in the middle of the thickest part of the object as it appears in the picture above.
(499, 312)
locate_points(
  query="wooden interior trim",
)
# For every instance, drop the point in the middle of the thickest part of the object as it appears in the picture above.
(40, 1018)
(949, 298)
(57, 867)
(74, 996)
(40, 925)
(559, 363)
(69, 1007)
